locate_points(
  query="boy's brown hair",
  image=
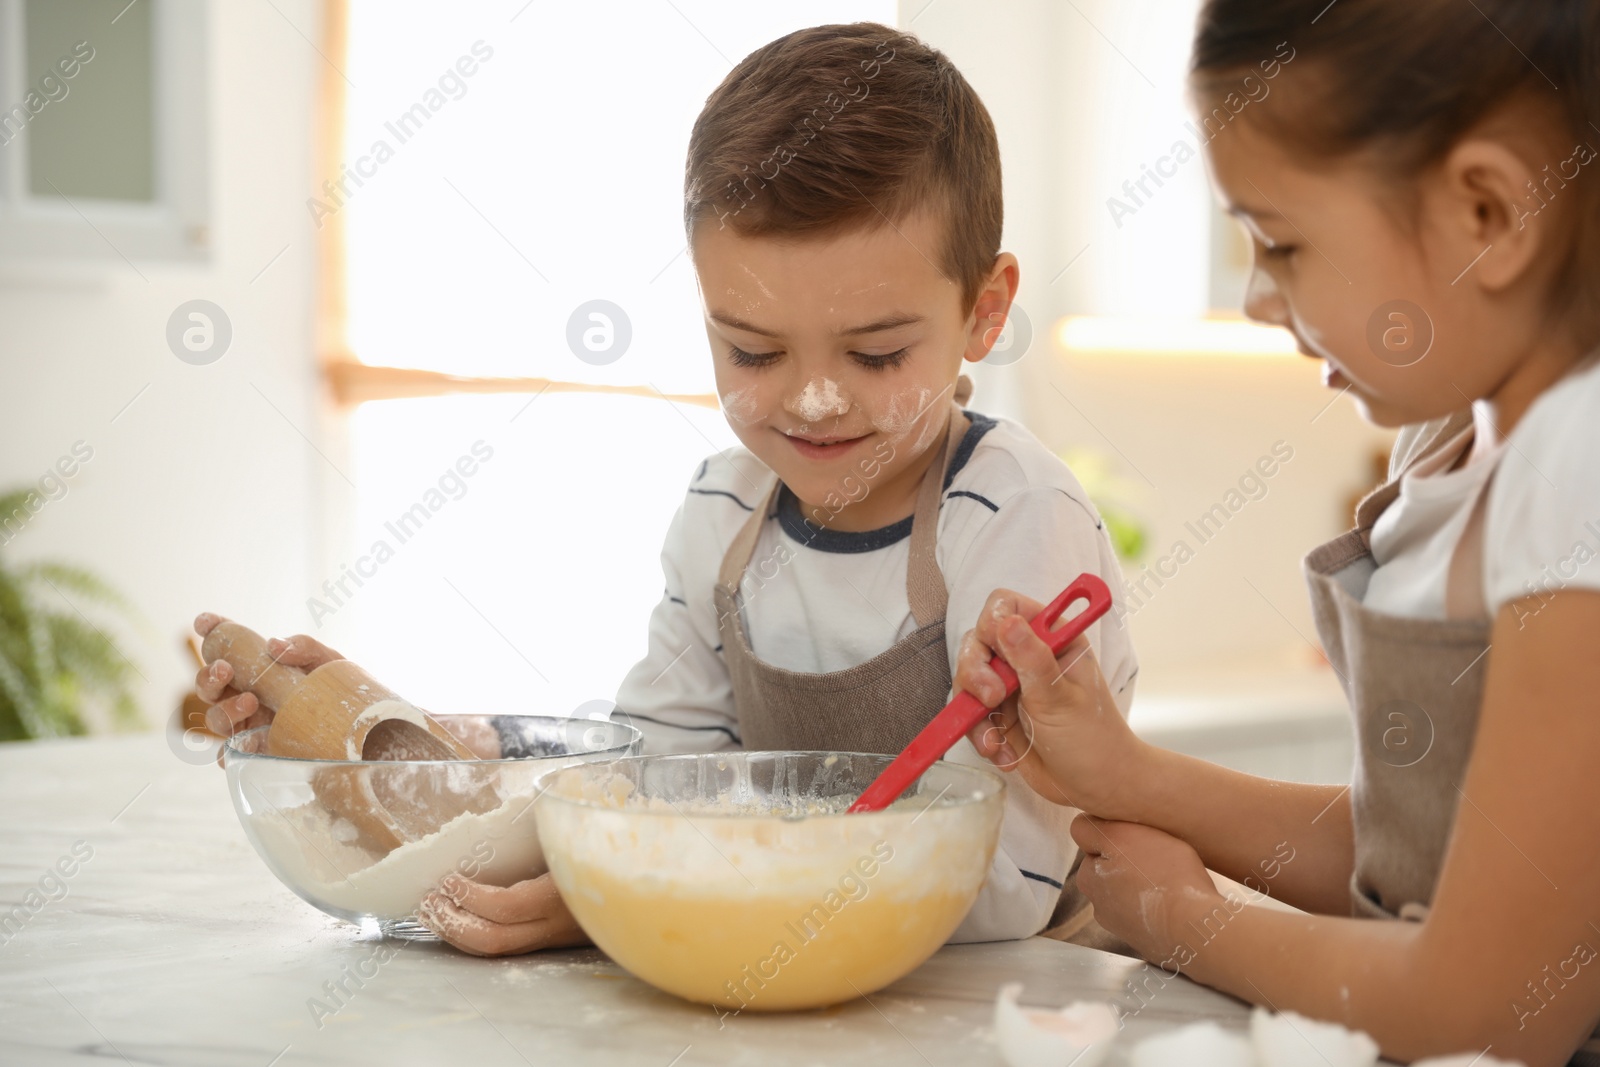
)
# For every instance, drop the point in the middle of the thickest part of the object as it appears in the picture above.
(840, 126)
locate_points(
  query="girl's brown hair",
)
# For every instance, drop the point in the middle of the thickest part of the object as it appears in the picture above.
(1405, 80)
(849, 125)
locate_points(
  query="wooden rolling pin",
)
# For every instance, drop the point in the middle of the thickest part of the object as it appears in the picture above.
(340, 712)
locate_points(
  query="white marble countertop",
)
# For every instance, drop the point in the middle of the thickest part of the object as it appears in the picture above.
(173, 944)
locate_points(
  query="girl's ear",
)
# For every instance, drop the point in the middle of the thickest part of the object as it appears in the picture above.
(988, 316)
(1492, 218)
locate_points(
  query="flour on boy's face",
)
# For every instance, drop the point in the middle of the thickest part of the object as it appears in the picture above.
(835, 351)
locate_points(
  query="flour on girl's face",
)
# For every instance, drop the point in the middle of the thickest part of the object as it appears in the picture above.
(820, 399)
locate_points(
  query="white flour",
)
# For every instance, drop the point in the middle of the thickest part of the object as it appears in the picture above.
(902, 412)
(315, 853)
(820, 399)
(739, 405)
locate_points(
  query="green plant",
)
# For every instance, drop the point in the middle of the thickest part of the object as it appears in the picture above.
(52, 657)
(1109, 491)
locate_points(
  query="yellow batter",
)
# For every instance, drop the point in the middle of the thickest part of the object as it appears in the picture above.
(761, 952)
(763, 904)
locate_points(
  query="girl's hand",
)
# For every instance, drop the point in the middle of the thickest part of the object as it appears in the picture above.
(485, 920)
(1149, 888)
(233, 711)
(1064, 732)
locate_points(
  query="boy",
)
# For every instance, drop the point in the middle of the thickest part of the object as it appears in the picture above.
(843, 206)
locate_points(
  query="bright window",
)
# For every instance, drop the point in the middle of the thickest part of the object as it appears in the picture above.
(515, 162)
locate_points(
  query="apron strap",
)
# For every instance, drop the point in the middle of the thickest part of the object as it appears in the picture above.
(925, 588)
(1464, 595)
(743, 547)
(1375, 502)
(963, 391)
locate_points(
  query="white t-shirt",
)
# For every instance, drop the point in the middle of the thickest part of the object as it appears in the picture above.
(1012, 516)
(1541, 521)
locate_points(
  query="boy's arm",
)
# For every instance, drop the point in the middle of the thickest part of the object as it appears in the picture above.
(1035, 542)
(679, 695)
(1039, 539)
(1029, 867)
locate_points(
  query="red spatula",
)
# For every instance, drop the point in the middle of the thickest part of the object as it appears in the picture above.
(965, 711)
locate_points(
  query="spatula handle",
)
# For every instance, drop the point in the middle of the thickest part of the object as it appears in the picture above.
(254, 669)
(966, 711)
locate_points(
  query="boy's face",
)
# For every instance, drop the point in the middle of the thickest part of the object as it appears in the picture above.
(836, 356)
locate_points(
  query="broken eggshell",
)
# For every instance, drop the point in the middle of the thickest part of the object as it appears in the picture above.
(1291, 1040)
(1196, 1045)
(1079, 1034)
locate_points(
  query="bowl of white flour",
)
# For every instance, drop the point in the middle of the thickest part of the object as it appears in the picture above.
(366, 840)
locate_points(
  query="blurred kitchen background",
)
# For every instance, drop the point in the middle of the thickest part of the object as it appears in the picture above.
(269, 269)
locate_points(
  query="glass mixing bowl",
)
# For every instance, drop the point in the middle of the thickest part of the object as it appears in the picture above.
(366, 840)
(736, 879)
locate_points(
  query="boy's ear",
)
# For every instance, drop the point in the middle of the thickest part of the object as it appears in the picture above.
(988, 316)
(1489, 209)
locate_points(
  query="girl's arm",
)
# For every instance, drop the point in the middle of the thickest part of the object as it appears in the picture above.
(1070, 743)
(1285, 839)
(1508, 958)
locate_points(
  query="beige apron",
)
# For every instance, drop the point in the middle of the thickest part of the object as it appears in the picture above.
(1415, 687)
(876, 706)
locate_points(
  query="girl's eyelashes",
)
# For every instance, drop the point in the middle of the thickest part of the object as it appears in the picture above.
(740, 358)
(885, 361)
(1280, 252)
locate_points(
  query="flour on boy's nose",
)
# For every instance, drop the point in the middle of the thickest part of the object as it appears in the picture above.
(820, 399)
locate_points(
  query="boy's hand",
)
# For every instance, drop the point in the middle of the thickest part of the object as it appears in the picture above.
(485, 920)
(232, 711)
(1063, 732)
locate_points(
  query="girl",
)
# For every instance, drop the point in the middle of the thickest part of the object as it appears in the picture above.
(1422, 196)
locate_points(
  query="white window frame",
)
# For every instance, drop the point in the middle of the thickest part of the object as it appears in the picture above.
(84, 230)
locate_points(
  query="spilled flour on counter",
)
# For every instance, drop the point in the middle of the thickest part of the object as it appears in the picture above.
(319, 855)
